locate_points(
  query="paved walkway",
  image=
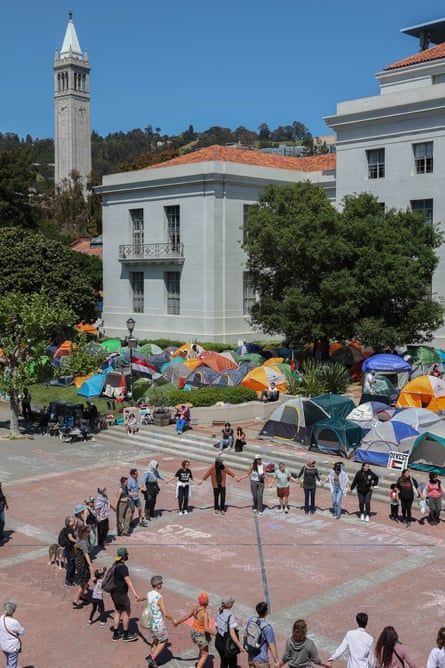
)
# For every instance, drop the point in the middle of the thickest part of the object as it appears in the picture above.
(309, 566)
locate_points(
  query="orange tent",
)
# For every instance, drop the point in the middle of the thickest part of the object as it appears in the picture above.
(216, 361)
(423, 392)
(64, 349)
(87, 328)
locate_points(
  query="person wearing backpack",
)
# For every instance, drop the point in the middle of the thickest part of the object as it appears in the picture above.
(300, 651)
(259, 639)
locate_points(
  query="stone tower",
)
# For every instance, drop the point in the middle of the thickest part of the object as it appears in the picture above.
(72, 133)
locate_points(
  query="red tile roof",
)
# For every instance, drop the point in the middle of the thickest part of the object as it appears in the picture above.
(435, 53)
(316, 163)
(82, 245)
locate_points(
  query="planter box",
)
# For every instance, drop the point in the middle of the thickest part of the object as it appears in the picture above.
(161, 419)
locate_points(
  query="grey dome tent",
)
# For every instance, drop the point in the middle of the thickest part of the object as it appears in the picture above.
(293, 421)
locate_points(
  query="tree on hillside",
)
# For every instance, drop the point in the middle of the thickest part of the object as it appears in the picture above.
(72, 213)
(310, 266)
(32, 263)
(26, 322)
(16, 179)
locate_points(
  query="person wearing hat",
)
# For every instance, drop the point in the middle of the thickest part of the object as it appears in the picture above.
(120, 597)
(258, 476)
(226, 624)
(201, 631)
(218, 474)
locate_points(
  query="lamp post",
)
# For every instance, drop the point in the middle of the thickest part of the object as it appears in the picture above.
(131, 342)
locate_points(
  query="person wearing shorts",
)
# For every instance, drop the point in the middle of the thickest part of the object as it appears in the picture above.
(134, 498)
(120, 598)
(159, 614)
(282, 477)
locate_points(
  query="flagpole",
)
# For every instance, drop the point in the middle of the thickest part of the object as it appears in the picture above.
(131, 342)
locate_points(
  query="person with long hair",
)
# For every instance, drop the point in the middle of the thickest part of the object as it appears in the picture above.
(3, 509)
(227, 624)
(218, 473)
(338, 482)
(365, 480)
(389, 651)
(310, 476)
(300, 651)
(436, 658)
(258, 477)
(433, 492)
(184, 477)
(408, 487)
(201, 631)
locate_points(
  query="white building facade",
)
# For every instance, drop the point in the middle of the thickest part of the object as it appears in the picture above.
(393, 145)
(172, 238)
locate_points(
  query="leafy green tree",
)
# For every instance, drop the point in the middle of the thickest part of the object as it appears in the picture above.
(16, 179)
(26, 322)
(32, 263)
(85, 357)
(70, 211)
(324, 275)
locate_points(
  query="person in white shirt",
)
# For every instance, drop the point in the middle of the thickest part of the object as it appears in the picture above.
(369, 382)
(360, 645)
(10, 632)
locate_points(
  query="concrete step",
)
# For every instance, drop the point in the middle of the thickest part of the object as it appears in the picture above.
(195, 444)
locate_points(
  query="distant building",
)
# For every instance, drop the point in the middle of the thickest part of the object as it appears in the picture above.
(172, 237)
(88, 246)
(393, 144)
(72, 133)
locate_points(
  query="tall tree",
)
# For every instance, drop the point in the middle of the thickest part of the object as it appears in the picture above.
(32, 263)
(16, 179)
(26, 322)
(310, 266)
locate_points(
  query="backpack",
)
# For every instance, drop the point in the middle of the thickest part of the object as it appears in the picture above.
(63, 539)
(109, 583)
(254, 636)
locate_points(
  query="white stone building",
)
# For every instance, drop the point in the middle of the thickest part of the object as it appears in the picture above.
(393, 144)
(172, 238)
(72, 131)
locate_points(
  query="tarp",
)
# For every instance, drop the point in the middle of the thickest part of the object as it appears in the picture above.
(423, 392)
(336, 435)
(261, 377)
(335, 405)
(428, 451)
(293, 421)
(384, 438)
(93, 386)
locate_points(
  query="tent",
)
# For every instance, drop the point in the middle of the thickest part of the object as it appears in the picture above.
(64, 349)
(202, 376)
(424, 392)
(140, 387)
(117, 383)
(261, 377)
(293, 421)
(175, 372)
(230, 377)
(419, 418)
(347, 355)
(216, 361)
(93, 386)
(335, 405)
(370, 413)
(255, 358)
(111, 345)
(336, 435)
(383, 438)
(428, 451)
(394, 367)
(384, 391)
(151, 349)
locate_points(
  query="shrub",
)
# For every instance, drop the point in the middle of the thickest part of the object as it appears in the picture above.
(167, 395)
(322, 377)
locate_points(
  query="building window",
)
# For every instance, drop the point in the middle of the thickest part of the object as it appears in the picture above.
(249, 297)
(137, 229)
(173, 226)
(424, 206)
(137, 291)
(423, 157)
(376, 163)
(173, 290)
(246, 208)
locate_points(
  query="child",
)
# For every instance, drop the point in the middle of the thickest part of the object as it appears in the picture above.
(98, 601)
(394, 501)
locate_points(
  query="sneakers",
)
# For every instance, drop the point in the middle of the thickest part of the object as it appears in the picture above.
(89, 622)
(130, 637)
(362, 517)
(286, 510)
(102, 624)
(367, 518)
(151, 663)
(116, 636)
(185, 512)
(180, 512)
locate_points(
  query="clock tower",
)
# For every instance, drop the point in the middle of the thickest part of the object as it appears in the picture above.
(72, 132)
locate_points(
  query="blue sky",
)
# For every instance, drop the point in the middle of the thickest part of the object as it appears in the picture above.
(171, 63)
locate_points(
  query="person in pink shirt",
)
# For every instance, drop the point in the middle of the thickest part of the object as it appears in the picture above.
(389, 651)
(433, 492)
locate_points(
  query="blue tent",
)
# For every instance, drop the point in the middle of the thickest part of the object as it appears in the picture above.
(93, 386)
(383, 438)
(386, 362)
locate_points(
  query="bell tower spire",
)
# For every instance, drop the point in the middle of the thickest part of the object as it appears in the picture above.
(72, 131)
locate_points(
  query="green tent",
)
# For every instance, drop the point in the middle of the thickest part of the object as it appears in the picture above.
(336, 435)
(111, 345)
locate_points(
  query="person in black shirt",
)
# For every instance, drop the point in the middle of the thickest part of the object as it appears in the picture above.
(365, 480)
(184, 477)
(121, 599)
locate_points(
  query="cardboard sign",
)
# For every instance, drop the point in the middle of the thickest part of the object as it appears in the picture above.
(398, 461)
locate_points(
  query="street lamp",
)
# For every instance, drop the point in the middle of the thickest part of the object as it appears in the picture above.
(131, 342)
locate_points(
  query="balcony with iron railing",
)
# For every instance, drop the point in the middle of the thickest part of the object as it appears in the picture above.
(165, 252)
